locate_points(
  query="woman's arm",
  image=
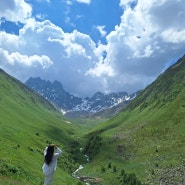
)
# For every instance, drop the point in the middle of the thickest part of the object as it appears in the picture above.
(45, 151)
(58, 152)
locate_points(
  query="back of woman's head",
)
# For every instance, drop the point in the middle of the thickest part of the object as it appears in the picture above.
(49, 154)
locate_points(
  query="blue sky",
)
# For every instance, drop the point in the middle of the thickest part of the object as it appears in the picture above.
(74, 15)
(91, 45)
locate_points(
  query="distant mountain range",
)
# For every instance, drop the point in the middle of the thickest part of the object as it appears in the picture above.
(74, 106)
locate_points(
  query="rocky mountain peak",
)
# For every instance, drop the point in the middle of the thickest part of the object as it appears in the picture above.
(54, 92)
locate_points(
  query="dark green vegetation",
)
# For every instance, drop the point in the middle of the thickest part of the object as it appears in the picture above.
(144, 144)
(28, 123)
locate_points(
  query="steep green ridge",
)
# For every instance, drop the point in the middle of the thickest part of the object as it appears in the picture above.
(145, 142)
(167, 87)
(27, 124)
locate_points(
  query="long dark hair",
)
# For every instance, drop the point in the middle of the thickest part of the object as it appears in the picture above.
(49, 154)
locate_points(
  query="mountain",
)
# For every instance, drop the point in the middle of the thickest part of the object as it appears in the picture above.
(54, 92)
(28, 123)
(145, 142)
(75, 106)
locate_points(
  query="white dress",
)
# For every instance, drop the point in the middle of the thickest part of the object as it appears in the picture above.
(49, 170)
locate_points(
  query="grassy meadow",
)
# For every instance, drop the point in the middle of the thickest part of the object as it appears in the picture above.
(28, 124)
(144, 144)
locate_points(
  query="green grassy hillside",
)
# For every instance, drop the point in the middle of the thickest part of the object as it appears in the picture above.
(146, 142)
(27, 124)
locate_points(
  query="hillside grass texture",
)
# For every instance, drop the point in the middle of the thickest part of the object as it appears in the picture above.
(149, 144)
(28, 123)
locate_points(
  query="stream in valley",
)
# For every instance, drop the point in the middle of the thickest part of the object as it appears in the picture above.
(75, 175)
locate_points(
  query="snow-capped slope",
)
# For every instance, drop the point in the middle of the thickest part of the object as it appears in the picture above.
(54, 92)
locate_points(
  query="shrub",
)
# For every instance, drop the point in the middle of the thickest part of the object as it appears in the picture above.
(37, 134)
(109, 165)
(122, 172)
(9, 169)
(114, 169)
(103, 169)
(129, 179)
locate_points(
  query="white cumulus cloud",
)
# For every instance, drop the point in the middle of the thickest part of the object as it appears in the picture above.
(149, 37)
(15, 10)
(102, 31)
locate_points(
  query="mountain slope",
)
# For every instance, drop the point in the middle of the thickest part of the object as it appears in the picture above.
(28, 123)
(146, 139)
(167, 87)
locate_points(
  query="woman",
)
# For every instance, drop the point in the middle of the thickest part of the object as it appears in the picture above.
(50, 163)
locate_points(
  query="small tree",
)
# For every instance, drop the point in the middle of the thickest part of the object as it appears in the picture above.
(114, 169)
(109, 165)
(122, 172)
(103, 169)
